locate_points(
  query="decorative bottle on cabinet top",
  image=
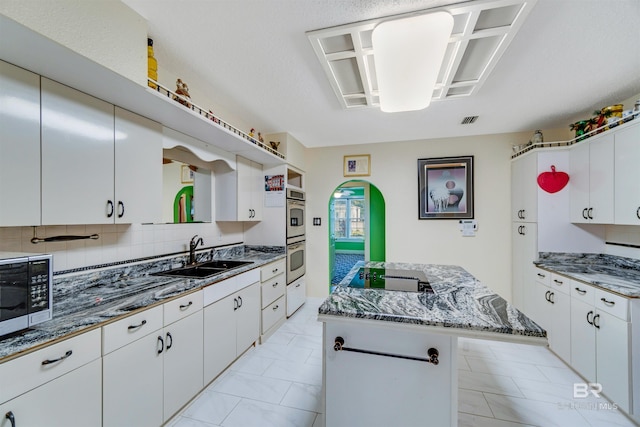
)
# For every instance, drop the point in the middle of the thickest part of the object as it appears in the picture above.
(152, 64)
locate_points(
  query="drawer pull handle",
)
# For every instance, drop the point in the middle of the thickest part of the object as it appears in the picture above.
(559, 282)
(432, 352)
(542, 275)
(49, 361)
(185, 306)
(12, 419)
(607, 302)
(131, 327)
(275, 270)
(275, 284)
(298, 285)
(580, 291)
(276, 307)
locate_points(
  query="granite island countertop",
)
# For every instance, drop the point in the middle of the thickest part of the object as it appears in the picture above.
(86, 300)
(460, 305)
(612, 273)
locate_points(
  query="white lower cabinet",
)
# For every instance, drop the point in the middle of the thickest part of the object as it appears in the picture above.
(231, 325)
(296, 295)
(59, 385)
(553, 311)
(600, 344)
(273, 288)
(158, 366)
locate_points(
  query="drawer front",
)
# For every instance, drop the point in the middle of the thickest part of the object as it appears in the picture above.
(272, 313)
(560, 283)
(273, 269)
(34, 369)
(125, 331)
(249, 278)
(273, 289)
(542, 276)
(583, 292)
(613, 304)
(219, 290)
(296, 295)
(182, 307)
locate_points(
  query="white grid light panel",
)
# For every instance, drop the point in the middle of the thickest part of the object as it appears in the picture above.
(482, 31)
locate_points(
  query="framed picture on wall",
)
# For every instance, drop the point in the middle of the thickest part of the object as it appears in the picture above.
(445, 188)
(357, 165)
(187, 174)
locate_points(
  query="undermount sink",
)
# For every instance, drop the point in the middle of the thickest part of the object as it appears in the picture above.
(205, 269)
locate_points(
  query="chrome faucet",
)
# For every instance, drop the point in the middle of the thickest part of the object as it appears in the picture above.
(193, 244)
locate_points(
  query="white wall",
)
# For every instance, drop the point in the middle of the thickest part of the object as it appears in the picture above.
(106, 31)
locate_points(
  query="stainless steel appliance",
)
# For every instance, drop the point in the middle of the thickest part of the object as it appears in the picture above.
(296, 266)
(295, 213)
(26, 296)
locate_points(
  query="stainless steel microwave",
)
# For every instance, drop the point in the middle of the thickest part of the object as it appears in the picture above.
(26, 296)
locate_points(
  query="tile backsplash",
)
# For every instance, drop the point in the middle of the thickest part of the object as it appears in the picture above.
(116, 242)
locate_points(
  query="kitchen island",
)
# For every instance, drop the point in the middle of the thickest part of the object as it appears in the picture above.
(390, 341)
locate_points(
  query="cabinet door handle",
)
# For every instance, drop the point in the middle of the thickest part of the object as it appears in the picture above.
(109, 208)
(580, 291)
(597, 325)
(131, 327)
(524, 213)
(12, 419)
(607, 302)
(524, 230)
(235, 304)
(590, 313)
(551, 294)
(275, 308)
(546, 296)
(50, 361)
(584, 213)
(638, 212)
(185, 306)
(589, 212)
(169, 340)
(161, 342)
(275, 284)
(240, 301)
(120, 209)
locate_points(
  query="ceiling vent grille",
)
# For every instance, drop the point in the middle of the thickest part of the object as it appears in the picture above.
(469, 119)
(481, 33)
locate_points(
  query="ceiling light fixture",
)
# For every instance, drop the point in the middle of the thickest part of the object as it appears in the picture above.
(408, 54)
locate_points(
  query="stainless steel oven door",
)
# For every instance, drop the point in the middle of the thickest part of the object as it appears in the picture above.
(296, 264)
(295, 218)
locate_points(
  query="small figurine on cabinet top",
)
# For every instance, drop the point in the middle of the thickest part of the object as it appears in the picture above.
(260, 138)
(274, 144)
(251, 132)
(183, 90)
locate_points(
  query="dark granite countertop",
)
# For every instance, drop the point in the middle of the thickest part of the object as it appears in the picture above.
(88, 299)
(611, 273)
(459, 303)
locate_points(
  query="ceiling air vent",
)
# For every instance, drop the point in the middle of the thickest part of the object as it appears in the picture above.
(469, 119)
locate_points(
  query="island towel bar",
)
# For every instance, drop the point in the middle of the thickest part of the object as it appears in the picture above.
(432, 352)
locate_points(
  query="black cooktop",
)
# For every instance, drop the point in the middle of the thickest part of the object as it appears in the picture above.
(391, 280)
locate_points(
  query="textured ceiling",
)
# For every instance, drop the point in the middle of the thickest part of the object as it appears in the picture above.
(569, 58)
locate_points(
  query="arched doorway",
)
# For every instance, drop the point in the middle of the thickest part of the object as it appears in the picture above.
(356, 227)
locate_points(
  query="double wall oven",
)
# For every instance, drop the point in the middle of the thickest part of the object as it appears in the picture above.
(296, 253)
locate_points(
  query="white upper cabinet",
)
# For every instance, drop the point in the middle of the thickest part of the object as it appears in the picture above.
(627, 176)
(98, 166)
(524, 189)
(138, 168)
(19, 146)
(591, 166)
(239, 193)
(77, 157)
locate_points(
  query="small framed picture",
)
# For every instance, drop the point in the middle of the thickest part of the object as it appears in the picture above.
(445, 188)
(186, 176)
(357, 165)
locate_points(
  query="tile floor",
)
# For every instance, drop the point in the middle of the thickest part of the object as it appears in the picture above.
(278, 384)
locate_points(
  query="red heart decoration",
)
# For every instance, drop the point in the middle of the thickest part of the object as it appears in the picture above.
(553, 181)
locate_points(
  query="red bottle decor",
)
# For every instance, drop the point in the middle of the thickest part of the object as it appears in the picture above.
(553, 181)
